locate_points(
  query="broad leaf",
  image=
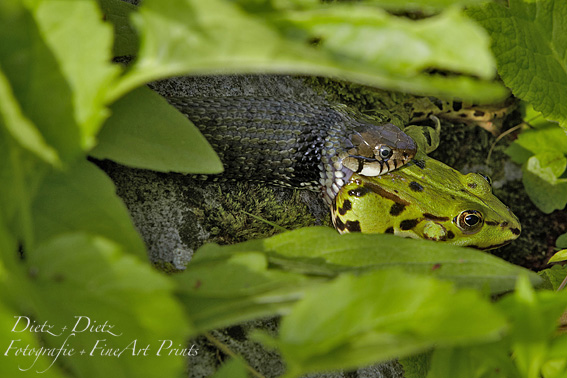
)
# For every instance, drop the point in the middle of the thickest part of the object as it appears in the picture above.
(558, 256)
(545, 138)
(20, 127)
(355, 42)
(561, 241)
(420, 5)
(79, 284)
(540, 178)
(144, 131)
(235, 368)
(533, 317)
(12, 361)
(66, 27)
(379, 316)
(38, 82)
(118, 13)
(83, 199)
(236, 287)
(359, 252)
(530, 45)
(554, 275)
(230, 284)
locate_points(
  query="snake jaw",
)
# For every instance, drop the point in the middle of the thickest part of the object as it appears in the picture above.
(367, 156)
(372, 150)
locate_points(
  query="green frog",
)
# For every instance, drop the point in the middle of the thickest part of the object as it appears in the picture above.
(426, 199)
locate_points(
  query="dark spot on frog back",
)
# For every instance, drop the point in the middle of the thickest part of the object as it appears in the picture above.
(408, 224)
(435, 217)
(397, 209)
(339, 225)
(353, 226)
(347, 205)
(419, 163)
(415, 186)
(358, 192)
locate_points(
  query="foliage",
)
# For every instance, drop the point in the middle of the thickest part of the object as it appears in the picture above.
(542, 151)
(530, 46)
(69, 251)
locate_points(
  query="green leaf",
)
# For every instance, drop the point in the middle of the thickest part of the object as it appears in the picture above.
(125, 38)
(558, 256)
(561, 241)
(540, 178)
(422, 5)
(530, 45)
(546, 138)
(555, 275)
(484, 360)
(363, 35)
(221, 282)
(320, 247)
(12, 365)
(416, 366)
(556, 368)
(79, 281)
(379, 316)
(144, 131)
(533, 316)
(359, 43)
(235, 368)
(223, 290)
(20, 174)
(87, 67)
(83, 199)
(21, 128)
(37, 81)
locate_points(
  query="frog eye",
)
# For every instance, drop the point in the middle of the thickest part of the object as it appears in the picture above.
(385, 152)
(469, 221)
(487, 178)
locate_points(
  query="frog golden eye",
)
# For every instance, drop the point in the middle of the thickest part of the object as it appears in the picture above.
(385, 152)
(469, 221)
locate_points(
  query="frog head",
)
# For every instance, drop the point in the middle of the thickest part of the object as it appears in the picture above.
(426, 199)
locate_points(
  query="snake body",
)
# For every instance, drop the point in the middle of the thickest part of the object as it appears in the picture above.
(295, 143)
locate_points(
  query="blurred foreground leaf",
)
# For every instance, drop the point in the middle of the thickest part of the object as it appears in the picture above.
(230, 284)
(144, 131)
(83, 198)
(380, 316)
(81, 281)
(359, 43)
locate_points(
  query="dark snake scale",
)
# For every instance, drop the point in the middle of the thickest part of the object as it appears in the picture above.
(306, 144)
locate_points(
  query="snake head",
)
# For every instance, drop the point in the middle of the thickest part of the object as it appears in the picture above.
(378, 149)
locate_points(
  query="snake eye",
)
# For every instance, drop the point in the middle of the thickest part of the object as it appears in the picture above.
(385, 152)
(469, 221)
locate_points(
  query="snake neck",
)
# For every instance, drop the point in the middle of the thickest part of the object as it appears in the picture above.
(282, 141)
